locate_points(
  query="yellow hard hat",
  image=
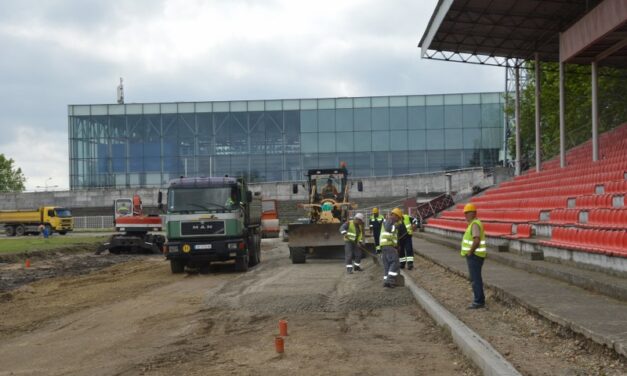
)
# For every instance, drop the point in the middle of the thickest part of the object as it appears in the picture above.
(397, 212)
(470, 207)
(375, 210)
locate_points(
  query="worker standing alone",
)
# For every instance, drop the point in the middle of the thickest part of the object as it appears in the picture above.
(474, 250)
(376, 221)
(353, 232)
(389, 252)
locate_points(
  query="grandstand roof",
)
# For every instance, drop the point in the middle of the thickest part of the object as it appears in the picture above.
(499, 32)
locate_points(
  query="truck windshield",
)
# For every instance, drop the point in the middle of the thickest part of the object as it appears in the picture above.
(192, 200)
(63, 213)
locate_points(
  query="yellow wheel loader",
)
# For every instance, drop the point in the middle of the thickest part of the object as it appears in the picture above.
(327, 208)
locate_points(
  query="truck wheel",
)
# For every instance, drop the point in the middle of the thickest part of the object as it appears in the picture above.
(298, 255)
(177, 266)
(241, 264)
(9, 230)
(19, 230)
(62, 232)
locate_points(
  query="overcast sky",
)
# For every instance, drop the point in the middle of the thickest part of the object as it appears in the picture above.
(60, 52)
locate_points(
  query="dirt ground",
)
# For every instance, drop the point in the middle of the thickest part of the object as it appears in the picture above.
(128, 315)
(532, 344)
(69, 261)
(136, 318)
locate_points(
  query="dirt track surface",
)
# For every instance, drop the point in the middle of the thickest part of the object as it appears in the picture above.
(137, 318)
(75, 260)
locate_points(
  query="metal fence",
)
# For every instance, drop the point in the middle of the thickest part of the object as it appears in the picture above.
(93, 222)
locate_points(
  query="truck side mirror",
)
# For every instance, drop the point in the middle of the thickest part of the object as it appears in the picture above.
(360, 186)
(249, 196)
(294, 188)
(160, 200)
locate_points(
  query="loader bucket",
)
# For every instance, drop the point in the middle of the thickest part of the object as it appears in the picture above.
(315, 235)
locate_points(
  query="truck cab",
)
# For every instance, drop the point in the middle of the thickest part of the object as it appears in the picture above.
(208, 220)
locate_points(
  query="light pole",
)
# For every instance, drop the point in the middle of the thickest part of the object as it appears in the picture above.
(46, 186)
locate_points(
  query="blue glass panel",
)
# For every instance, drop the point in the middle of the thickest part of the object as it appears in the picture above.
(326, 120)
(398, 140)
(292, 131)
(472, 138)
(452, 159)
(417, 140)
(398, 118)
(309, 121)
(416, 161)
(344, 141)
(399, 162)
(435, 117)
(326, 142)
(363, 119)
(491, 138)
(274, 168)
(491, 115)
(309, 142)
(363, 141)
(471, 116)
(258, 169)
(381, 164)
(435, 139)
(344, 119)
(380, 118)
(152, 164)
(118, 165)
(453, 116)
(436, 160)
(453, 138)
(380, 141)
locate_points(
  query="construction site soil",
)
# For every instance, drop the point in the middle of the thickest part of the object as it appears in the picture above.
(128, 315)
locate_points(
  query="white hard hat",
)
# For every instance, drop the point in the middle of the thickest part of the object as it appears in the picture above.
(359, 216)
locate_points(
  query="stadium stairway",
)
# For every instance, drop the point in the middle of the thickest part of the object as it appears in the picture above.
(557, 240)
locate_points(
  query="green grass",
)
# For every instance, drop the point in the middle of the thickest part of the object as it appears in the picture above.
(32, 243)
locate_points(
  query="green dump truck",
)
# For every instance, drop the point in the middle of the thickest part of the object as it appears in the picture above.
(208, 220)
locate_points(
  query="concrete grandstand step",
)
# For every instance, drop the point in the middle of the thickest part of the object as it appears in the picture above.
(597, 281)
(599, 317)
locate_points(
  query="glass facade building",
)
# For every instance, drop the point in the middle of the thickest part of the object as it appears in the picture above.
(146, 144)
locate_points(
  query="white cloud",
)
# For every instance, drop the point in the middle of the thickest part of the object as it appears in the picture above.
(73, 51)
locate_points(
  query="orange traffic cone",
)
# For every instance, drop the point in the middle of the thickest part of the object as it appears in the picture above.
(283, 328)
(279, 344)
(27, 263)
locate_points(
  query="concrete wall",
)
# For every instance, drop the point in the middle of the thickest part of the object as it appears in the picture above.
(378, 187)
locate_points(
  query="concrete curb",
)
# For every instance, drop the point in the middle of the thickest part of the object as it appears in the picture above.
(490, 361)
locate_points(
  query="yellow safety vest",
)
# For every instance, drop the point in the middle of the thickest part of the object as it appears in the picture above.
(467, 240)
(407, 222)
(351, 235)
(388, 238)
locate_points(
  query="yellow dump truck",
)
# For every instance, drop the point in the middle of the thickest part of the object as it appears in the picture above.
(23, 222)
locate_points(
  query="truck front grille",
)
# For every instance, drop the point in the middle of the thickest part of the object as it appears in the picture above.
(202, 228)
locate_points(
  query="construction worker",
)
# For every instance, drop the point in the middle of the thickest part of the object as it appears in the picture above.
(231, 201)
(353, 232)
(123, 209)
(474, 249)
(329, 190)
(405, 244)
(389, 252)
(375, 222)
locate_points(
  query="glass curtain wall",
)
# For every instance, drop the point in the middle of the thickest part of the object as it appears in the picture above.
(146, 145)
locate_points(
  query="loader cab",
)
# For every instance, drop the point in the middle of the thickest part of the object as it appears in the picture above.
(327, 183)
